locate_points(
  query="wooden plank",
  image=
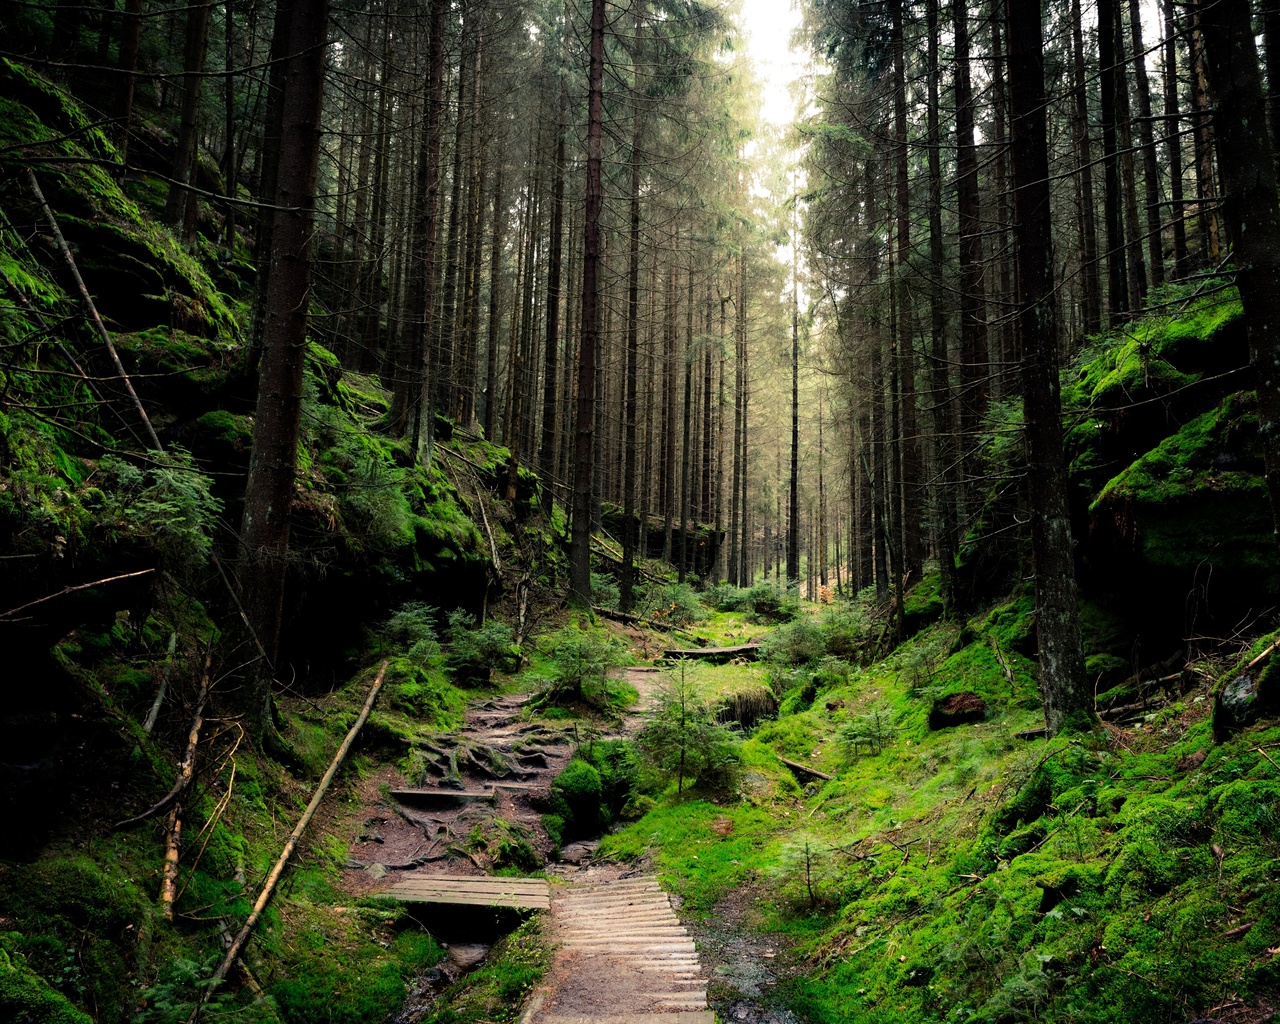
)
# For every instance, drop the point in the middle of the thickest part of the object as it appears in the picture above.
(479, 885)
(474, 890)
(458, 899)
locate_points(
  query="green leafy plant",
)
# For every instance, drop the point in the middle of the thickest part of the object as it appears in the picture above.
(805, 864)
(683, 740)
(169, 505)
(411, 630)
(580, 658)
(474, 651)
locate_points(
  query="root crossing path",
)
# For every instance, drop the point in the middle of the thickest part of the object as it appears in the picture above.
(622, 956)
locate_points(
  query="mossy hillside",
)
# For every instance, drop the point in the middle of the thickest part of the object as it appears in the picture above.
(85, 916)
(978, 876)
(139, 276)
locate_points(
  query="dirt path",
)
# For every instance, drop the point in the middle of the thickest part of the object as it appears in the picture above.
(621, 953)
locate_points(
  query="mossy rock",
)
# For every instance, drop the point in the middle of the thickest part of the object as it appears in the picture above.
(1187, 529)
(1247, 694)
(27, 998)
(1179, 359)
(955, 709)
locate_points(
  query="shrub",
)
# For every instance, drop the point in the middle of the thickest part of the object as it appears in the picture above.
(619, 769)
(772, 604)
(575, 799)
(411, 631)
(580, 660)
(604, 591)
(676, 603)
(683, 741)
(804, 864)
(475, 651)
(725, 597)
(169, 506)
(797, 643)
(870, 733)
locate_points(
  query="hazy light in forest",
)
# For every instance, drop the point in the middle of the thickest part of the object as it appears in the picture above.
(768, 25)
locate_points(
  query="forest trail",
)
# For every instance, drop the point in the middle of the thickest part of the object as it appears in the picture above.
(621, 956)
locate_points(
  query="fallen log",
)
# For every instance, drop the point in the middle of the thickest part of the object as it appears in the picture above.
(186, 773)
(796, 766)
(718, 655)
(269, 887)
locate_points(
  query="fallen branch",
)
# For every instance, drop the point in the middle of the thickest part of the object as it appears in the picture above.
(1236, 933)
(71, 590)
(186, 772)
(269, 887)
(93, 311)
(797, 766)
(163, 688)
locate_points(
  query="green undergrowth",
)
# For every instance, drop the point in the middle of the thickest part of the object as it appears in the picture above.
(495, 992)
(965, 873)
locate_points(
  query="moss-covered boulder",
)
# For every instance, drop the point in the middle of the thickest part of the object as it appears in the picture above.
(1250, 692)
(1185, 532)
(1135, 387)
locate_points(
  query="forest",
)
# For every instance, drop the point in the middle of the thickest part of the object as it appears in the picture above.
(498, 523)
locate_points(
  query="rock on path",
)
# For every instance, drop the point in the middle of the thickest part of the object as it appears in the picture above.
(623, 957)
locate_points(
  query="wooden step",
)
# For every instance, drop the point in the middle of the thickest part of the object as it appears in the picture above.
(473, 890)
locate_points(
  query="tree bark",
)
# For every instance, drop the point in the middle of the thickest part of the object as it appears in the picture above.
(1113, 200)
(185, 159)
(1067, 700)
(264, 529)
(1252, 207)
(1173, 146)
(583, 462)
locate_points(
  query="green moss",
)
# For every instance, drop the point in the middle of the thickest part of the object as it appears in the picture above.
(496, 991)
(27, 997)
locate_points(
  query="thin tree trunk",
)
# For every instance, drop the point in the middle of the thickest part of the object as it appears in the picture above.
(1173, 145)
(1117, 277)
(1146, 136)
(185, 160)
(1091, 287)
(1067, 699)
(583, 463)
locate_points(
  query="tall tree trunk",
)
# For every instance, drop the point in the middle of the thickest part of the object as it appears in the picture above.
(1271, 47)
(1091, 288)
(410, 412)
(580, 545)
(1252, 208)
(974, 368)
(1206, 186)
(912, 461)
(130, 38)
(495, 303)
(1113, 200)
(629, 530)
(1173, 145)
(547, 449)
(1146, 136)
(793, 490)
(945, 447)
(1134, 228)
(1067, 699)
(185, 158)
(264, 529)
